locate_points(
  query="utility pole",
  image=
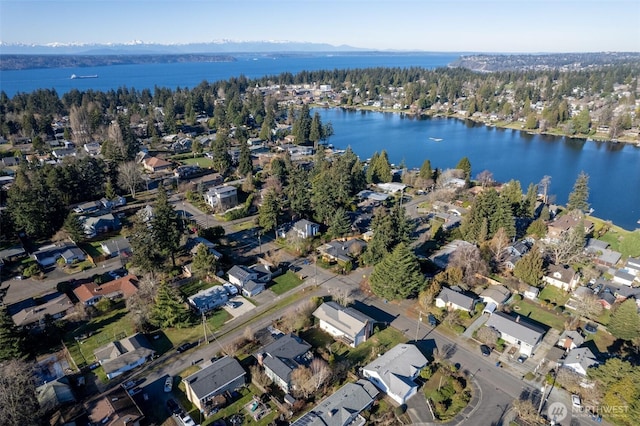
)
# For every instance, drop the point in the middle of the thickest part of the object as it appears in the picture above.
(204, 328)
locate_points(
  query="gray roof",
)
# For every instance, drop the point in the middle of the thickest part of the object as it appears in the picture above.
(54, 394)
(582, 356)
(595, 244)
(341, 408)
(211, 379)
(347, 320)
(209, 298)
(609, 256)
(449, 295)
(115, 245)
(497, 293)
(633, 263)
(441, 257)
(284, 355)
(560, 272)
(398, 367)
(118, 354)
(240, 272)
(624, 275)
(515, 327)
(34, 314)
(575, 337)
(341, 250)
(304, 224)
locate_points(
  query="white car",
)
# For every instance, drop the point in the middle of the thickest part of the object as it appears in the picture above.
(168, 384)
(575, 401)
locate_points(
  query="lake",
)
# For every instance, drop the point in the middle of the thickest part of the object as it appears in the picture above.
(613, 168)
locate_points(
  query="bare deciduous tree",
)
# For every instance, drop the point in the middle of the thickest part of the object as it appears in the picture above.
(130, 177)
(470, 261)
(18, 401)
(302, 382)
(485, 178)
(249, 334)
(141, 303)
(527, 411)
(498, 245)
(588, 306)
(487, 335)
(343, 296)
(320, 372)
(259, 377)
(569, 379)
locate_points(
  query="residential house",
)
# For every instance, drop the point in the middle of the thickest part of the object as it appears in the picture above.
(209, 299)
(494, 296)
(579, 360)
(281, 357)
(516, 331)
(223, 375)
(71, 253)
(91, 293)
(562, 276)
(343, 407)
(253, 288)
(442, 257)
(454, 299)
(207, 181)
(623, 277)
(194, 243)
(88, 207)
(306, 229)
(531, 293)
(33, 315)
(345, 324)
(394, 372)
(392, 187)
(54, 394)
(554, 357)
(570, 339)
(342, 251)
(600, 253)
(115, 247)
(10, 161)
(561, 225)
(371, 196)
(632, 266)
(520, 248)
(60, 153)
(154, 164)
(124, 355)
(115, 408)
(222, 197)
(240, 275)
(92, 148)
(95, 225)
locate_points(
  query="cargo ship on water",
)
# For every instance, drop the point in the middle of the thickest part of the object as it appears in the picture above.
(75, 77)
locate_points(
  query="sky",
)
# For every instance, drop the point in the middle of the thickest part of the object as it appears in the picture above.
(423, 25)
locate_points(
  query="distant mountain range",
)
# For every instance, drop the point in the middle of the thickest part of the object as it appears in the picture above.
(141, 48)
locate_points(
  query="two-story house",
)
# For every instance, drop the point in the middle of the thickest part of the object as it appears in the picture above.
(345, 324)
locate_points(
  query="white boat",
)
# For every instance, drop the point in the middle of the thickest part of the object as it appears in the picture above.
(436, 139)
(75, 77)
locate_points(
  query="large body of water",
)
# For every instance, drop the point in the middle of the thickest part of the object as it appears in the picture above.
(189, 75)
(614, 169)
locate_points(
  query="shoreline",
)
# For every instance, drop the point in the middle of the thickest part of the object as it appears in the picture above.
(498, 124)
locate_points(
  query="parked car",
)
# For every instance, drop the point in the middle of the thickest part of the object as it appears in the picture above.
(522, 358)
(168, 384)
(129, 384)
(186, 346)
(485, 350)
(134, 391)
(575, 401)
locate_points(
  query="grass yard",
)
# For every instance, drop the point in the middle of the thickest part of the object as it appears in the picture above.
(106, 328)
(531, 310)
(619, 239)
(92, 248)
(204, 162)
(554, 294)
(237, 407)
(316, 337)
(364, 353)
(602, 339)
(242, 226)
(192, 287)
(285, 282)
(215, 320)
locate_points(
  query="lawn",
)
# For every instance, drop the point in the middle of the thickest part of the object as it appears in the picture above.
(242, 226)
(554, 295)
(246, 395)
(204, 162)
(531, 310)
(363, 354)
(215, 320)
(285, 282)
(602, 339)
(194, 286)
(106, 328)
(619, 239)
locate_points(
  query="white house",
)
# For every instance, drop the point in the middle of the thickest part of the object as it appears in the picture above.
(208, 299)
(516, 331)
(494, 296)
(562, 276)
(570, 339)
(455, 300)
(395, 371)
(306, 229)
(222, 197)
(579, 360)
(345, 324)
(623, 277)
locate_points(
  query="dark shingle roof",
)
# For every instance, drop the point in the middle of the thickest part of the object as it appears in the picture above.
(220, 373)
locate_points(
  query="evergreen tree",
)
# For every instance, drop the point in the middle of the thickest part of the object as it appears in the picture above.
(169, 309)
(530, 268)
(340, 224)
(145, 252)
(625, 321)
(383, 168)
(269, 211)
(165, 226)
(503, 218)
(578, 198)
(528, 207)
(398, 275)
(371, 167)
(425, 170)
(204, 262)
(245, 164)
(512, 192)
(11, 343)
(74, 228)
(390, 228)
(465, 165)
(299, 192)
(537, 228)
(221, 159)
(315, 131)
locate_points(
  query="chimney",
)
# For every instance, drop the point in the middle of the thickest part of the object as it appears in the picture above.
(518, 319)
(260, 358)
